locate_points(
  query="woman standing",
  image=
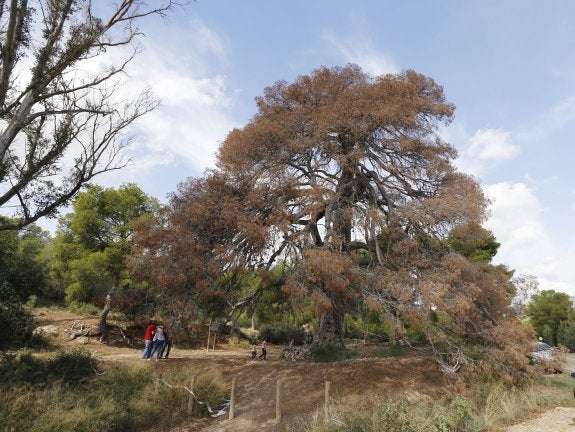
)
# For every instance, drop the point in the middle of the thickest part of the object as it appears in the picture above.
(264, 345)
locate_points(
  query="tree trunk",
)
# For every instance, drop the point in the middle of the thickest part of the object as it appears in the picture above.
(331, 324)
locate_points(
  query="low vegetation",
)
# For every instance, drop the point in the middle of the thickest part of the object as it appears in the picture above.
(483, 407)
(69, 393)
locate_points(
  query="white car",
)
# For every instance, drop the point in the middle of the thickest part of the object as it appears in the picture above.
(547, 357)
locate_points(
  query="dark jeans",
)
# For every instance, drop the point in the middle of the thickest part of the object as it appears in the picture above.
(167, 348)
(263, 354)
(158, 345)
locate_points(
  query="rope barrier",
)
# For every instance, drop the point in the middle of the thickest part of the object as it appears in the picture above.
(211, 411)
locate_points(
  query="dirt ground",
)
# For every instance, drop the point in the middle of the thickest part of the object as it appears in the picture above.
(302, 383)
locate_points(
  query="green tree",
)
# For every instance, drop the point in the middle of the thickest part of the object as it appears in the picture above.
(21, 263)
(546, 311)
(566, 334)
(474, 242)
(15, 321)
(92, 242)
(60, 125)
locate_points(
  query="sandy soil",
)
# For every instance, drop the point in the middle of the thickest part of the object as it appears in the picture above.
(302, 383)
(560, 419)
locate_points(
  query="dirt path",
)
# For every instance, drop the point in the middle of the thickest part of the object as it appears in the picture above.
(559, 419)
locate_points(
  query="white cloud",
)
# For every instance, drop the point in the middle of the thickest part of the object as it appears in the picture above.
(515, 217)
(517, 221)
(194, 115)
(556, 271)
(486, 148)
(492, 145)
(482, 150)
(554, 119)
(358, 49)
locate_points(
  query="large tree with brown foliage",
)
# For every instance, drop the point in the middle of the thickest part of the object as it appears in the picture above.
(61, 119)
(343, 177)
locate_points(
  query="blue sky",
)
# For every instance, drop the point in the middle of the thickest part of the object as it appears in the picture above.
(508, 66)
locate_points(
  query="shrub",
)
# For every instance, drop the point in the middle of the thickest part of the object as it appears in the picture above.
(355, 327)
(15, 321)
(566, 334)
(281, 334)
(83, 308)
(123, 399)
(23, 368)
(329, 352)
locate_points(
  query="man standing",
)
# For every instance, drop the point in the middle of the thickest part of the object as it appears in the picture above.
(148, 338)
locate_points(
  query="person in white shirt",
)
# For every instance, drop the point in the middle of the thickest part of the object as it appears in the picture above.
(158, 342)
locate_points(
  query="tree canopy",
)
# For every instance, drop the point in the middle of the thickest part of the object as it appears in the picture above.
(343, 178)
(546, 311)
(61, 121)
(21, 264)
(92, 241)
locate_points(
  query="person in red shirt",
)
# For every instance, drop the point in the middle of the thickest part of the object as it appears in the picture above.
(148, 338)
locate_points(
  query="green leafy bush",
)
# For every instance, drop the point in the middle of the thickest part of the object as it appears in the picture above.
(23, 368)
(83, 308)
(566, 334)
(15, 321)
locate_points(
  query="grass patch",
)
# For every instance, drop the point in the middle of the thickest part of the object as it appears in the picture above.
(65, 394)
(330, 352)
(390, 350)
(82, 308)
(484, 407)
(387, 415)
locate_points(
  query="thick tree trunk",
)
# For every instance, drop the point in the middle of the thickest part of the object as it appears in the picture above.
(331, 324)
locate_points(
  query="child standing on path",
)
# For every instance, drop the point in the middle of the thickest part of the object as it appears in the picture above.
(254, 351)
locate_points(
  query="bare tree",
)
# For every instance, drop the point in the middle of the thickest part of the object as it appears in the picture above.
(60, 124)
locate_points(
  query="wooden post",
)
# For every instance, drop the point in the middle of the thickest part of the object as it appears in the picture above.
(208, 347)
(278, 401)
(326, 403)
(233, 399)
(191, 398)
(215, 336)
(158, 382)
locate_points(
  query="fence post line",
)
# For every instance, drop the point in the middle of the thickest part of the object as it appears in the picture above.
(278, 401)
(233, 399)
(326, 404)
(191, 397)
